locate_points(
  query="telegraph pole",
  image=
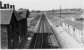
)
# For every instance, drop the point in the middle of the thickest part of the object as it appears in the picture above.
(60, 11)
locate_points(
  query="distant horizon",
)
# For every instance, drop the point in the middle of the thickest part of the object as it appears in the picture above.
(50, 9)
(46, 4)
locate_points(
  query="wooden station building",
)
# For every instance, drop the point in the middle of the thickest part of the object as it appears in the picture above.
(13, 27)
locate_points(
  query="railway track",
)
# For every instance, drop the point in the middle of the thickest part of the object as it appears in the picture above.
(44, 30)
(40, 39)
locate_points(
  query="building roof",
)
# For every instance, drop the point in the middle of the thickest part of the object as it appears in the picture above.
(20, 15)
(5, 16)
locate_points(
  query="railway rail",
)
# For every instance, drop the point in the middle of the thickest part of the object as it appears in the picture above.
(40, 39)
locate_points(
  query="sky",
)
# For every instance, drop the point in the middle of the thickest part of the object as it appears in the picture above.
(46, 4)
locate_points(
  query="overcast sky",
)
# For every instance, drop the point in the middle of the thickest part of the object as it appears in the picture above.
(46, 4)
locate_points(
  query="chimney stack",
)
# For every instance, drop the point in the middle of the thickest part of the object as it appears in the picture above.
(0, 4)
(7, 5)
(11, 6)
